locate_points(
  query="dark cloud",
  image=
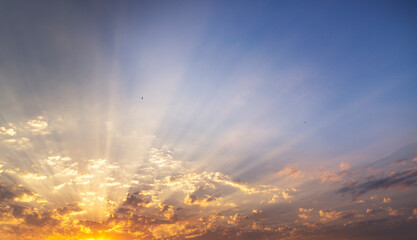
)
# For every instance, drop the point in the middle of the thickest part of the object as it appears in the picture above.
(233, 233)
(191, 199)
(18, 211)
(93, 224)
(384, 229)
(72, 207)
(137, 199)
(406, 178)
(40, 219)
(9, 192)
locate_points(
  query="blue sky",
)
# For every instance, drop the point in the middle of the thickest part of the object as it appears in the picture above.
(276, 102)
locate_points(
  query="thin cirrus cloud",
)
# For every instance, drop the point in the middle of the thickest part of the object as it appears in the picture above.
(403, 179)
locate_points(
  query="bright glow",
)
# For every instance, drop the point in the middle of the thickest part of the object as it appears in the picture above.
(124, 120)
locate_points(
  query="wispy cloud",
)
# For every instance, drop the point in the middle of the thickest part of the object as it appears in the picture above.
(403, 179)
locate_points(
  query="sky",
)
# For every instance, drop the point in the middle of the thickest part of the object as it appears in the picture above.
(288, 120)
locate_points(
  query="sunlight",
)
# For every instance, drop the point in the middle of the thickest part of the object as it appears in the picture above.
(123, 120)
(82, 237)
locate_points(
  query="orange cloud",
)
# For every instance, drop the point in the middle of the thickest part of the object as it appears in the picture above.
(344, 166)
(330, 215)
(330, 177)
(290, 171)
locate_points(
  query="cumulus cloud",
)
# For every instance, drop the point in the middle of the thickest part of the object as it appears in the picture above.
(69, 208)
(304, 213)
(19, 135)
(332, 215)
(413, 215)
(33, 176)
(392, 211)
(19, 143)
(7, 131)
(38, 125)
(201, 201)
(330, 177)
(11, 192)
(162, 198)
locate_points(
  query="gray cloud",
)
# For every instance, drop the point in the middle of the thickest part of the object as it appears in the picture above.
(40, 219)
(9, 192)
(407, 178)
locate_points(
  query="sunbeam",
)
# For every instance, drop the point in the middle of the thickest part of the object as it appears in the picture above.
(208, 120)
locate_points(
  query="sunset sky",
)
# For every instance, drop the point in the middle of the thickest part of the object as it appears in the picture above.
(124, 120)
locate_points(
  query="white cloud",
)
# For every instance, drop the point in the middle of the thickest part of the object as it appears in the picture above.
(7, 131)
(33, 176)
(38, 125)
